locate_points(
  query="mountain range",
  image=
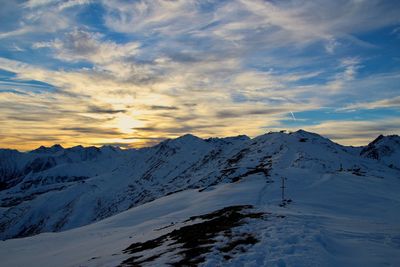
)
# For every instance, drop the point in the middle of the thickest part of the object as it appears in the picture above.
(279, 199)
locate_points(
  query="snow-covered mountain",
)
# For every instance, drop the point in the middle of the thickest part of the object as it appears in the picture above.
(217, 201)
(384, 149)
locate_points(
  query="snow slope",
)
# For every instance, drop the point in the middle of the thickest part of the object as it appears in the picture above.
(384, 149)
(343, 210)
(335, 220)
(70, 192)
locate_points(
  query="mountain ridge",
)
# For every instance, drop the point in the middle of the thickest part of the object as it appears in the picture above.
(56, 147)
(123, 205)
(113, 180)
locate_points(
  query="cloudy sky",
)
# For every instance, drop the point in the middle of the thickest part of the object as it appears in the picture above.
(135, 72)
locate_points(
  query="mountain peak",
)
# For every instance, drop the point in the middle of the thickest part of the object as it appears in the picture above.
(188, 136)
(57, 147)
(392, 141)
(385, 149)
(187, 139)
(305, 133)
(43, 149)
(386, 138)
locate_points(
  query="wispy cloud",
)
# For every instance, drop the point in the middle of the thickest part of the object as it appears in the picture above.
(38, 3)
(349, 68)
(353, 132)
(72, 3)
(382, 103)
(146, 70)
(80, 45)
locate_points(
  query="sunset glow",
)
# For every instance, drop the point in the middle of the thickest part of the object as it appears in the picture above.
(132, 73)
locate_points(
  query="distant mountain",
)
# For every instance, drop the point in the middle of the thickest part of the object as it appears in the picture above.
(53, 189)
(385, 149)
(212, 202)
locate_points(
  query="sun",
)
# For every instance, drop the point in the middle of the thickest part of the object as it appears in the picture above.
(126, 123)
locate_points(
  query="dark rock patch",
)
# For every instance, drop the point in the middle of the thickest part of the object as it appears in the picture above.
(193, 242)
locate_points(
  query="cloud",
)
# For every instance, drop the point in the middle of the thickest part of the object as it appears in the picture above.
(157, 107)
(13, 91)
(175, 131)
(17, 32)
(147, 70)
(353, 132)
(322, 20)
(331, 45)
(72, 3)
(80, 45)
(93, 130)
(383, 103)
(349, 68)
(104, 110)
(235, 113)
(37, 19)
(152, 16)
(38, 3)
(33, 4)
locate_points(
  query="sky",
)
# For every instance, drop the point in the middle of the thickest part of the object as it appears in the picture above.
(132, 73)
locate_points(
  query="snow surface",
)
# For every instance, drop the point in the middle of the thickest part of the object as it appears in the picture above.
(345, 208)
(327, 225)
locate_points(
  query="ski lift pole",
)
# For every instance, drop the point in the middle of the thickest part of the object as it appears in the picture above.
(283, 189)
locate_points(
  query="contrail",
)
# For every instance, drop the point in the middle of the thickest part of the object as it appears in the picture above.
(294, 118)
